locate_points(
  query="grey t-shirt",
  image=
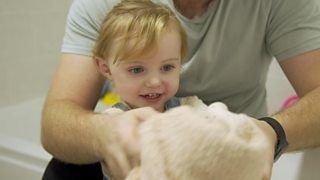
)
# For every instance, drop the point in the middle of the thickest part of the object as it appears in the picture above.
(230, 46)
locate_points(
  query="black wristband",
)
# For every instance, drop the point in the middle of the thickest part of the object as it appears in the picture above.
(282, 142)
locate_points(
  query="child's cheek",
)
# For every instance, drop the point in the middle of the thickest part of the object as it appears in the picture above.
(172, 84)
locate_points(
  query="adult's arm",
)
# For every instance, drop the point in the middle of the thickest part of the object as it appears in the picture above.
(66, 128)
(73, 133)
(301, 121)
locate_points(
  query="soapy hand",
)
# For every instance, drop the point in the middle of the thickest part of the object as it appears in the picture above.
(203, 142)
(272, 138)
(118, 144)
(197, 142)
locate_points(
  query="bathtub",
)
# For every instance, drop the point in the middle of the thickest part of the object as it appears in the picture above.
(21, 154)
(22, 157)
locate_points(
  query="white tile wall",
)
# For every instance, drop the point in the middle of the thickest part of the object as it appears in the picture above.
(30, 36)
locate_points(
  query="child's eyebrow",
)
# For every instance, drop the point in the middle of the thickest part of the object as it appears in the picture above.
(139, 62)
(171, 59)
(130, 62)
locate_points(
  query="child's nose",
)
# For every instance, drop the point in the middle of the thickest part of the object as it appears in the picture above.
(154, 81)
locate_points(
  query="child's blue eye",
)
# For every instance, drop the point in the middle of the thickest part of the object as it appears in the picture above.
(167, 68)
(136, 70)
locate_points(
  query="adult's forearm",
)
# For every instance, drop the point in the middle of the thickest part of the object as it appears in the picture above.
(67, 132)
(301, 122)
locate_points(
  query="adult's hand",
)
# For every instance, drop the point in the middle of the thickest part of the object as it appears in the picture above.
(118, 140)
(212, 138)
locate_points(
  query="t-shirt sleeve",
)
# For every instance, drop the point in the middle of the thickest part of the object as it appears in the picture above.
(293, 27)
(82, 27)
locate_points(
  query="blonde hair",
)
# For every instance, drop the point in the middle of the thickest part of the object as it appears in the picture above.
(136, 27)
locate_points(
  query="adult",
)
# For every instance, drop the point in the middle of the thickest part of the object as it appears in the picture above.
(231, 44)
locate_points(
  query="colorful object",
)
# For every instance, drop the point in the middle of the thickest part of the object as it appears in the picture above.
(110, 99)
(105, 89)
(289, 101)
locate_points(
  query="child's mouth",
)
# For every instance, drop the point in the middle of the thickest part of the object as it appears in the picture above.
(152, 97)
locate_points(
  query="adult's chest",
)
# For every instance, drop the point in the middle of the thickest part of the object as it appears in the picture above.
(230, 56)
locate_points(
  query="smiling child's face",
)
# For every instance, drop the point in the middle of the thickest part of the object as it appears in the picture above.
(152, 79)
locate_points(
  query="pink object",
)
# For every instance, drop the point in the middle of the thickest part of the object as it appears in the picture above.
(289, 102)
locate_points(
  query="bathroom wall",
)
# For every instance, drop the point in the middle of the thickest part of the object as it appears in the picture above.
(279, 88)
(30, 36)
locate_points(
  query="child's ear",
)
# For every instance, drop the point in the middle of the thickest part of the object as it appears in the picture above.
(103, 67)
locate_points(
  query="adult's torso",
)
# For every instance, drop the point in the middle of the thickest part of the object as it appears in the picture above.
(230, 47)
